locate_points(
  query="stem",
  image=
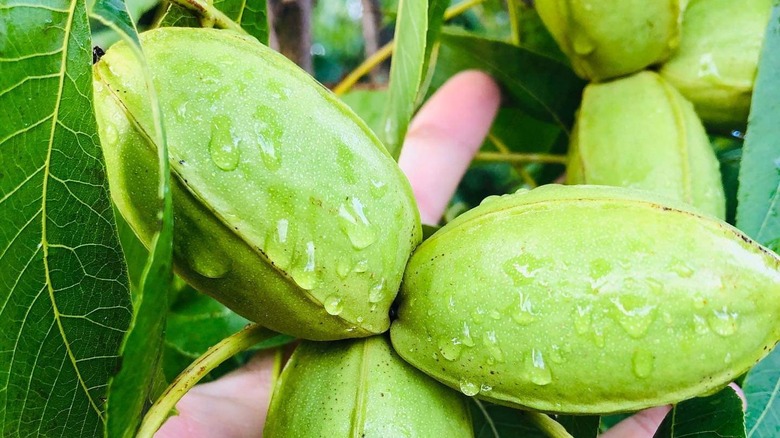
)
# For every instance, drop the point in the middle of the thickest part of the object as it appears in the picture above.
(520, 158)
(514, 22)
(385, 51)
(364, 68)
(211, 359)
(547, 425)
(519, 167)
(211, 14)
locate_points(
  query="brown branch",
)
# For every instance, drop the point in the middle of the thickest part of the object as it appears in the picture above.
(291, 30)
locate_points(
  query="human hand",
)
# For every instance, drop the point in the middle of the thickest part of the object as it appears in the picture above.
(440, 144)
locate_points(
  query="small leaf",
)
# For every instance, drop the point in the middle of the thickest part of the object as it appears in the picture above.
(250, 14)
(717, 416)
(762, 390)
(759, 177)
(64, 295)
(416, 30)
(540, 86)
(132, 389)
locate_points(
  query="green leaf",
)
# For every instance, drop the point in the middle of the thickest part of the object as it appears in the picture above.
(580, 426)
(64, 296)
(134, 386)
(250, 14)
(493, 421)
(759, 177)
(762, 390)
(717, 416)
(540, 86)
(369, 105)
(416, 30)
(195, 323)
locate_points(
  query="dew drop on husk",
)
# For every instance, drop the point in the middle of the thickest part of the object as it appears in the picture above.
(333, 304)
(355, 223)
(642, 363)
(468, 387)
(223, 144)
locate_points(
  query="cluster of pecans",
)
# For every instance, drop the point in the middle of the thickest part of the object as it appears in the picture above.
(582, 299)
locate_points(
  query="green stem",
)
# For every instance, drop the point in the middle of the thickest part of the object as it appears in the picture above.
(520, 158)
(514, 21)
(210, 14)
(547, 425)
(385, 51)
(519, 167)
(224, 350)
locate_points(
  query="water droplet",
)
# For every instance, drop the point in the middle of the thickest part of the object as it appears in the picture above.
(468, 388)
(450, 348)
(466, 332)
(523, 313)
(582, 319)
(494, 314)
(537, 370)
(727, 358)
(478, 315)
(378, 189)
(522, 269)
(276, 247)
(700, 325)
(343, 267)
(345, 158)
(555, 354)
(723, 322)
(642, 363)
(359, 319)
(708, 69)
(268, 134)
(491, 344)
(699, 301)
(333, 305)
(582, 44)
(207, 263)
(377, 293)
(682, 269)
(485, 388)
(110, 134)
(633, 315)
(598, 337)
(361, 266)
(224, 145)
(303, 272)
(355, 224)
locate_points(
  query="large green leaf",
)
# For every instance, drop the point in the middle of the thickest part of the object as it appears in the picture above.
(540, 86)
(757, 213)
(762, 390)
(716, 416)
(64, 296)
(416, 31)
(759, 177)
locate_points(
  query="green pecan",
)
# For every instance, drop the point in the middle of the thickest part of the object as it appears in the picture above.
(287, 208)
(715, 65)
(639, 132)
(361, 388)
(587, 300)
(609, 38)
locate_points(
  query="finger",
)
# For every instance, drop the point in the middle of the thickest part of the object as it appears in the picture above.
(444, 136)
(740, 393)
(640, 425)
(233, 406)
